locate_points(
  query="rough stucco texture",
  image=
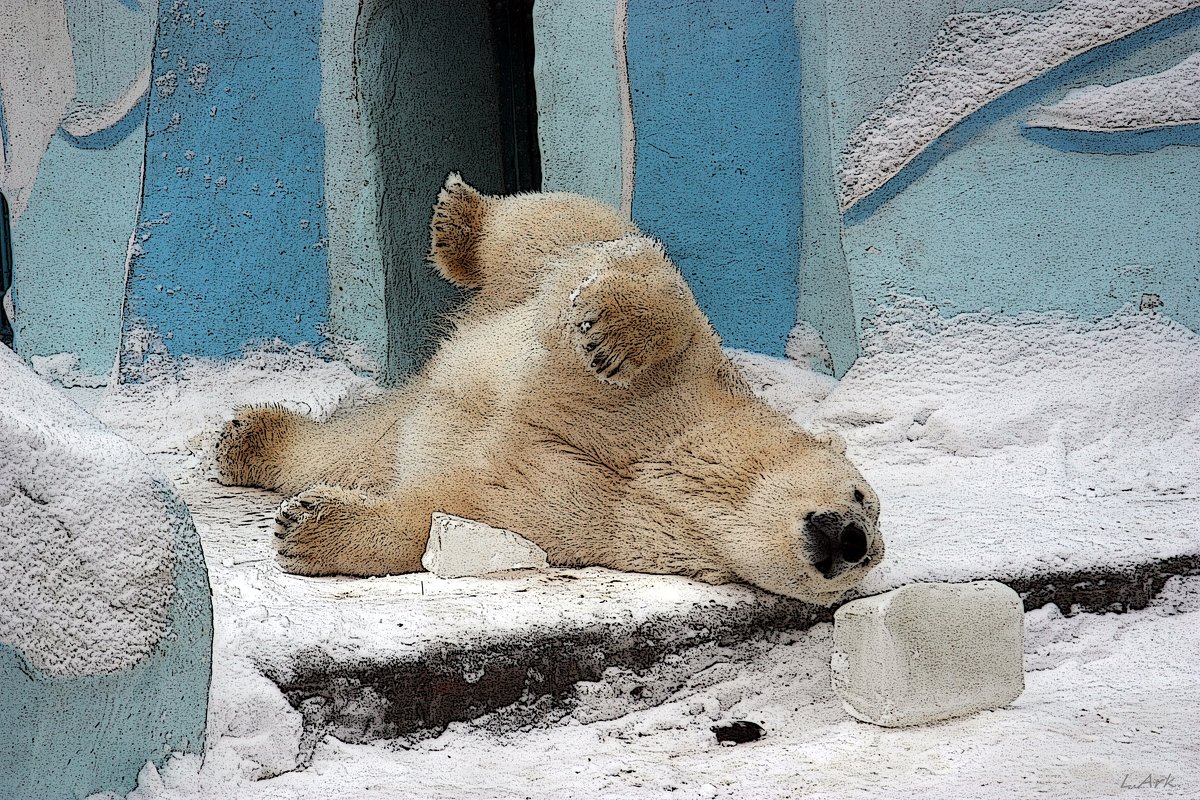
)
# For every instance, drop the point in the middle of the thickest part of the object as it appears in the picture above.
(105, 613)
(579, 118)
(1170, 97)
(974, 59)
(429, 105)
(1013, 219)
(74, 112)
(230, 244)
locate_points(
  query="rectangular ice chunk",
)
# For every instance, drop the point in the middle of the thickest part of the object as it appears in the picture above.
(929, 651)
(460, 547)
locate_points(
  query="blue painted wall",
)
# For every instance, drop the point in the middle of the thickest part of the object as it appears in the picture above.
(232, 222)
(740, 114)
(715, 88)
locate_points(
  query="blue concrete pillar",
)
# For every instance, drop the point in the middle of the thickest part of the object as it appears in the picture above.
(715, 89)
(231, 237)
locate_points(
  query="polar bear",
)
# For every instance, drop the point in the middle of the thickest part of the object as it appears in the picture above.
(581, 399)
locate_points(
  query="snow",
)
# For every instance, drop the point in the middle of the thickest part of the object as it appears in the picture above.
(1023, 440)
(87, 539)
(1169, 98)
(1109, 699)
(186, 401)
(973, 60)
(1001, 447)
(63, 369)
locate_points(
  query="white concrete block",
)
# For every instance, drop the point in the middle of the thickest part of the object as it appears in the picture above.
(459, 547)
(929, 651)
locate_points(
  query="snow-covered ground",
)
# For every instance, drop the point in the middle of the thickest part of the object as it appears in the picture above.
(1109, 701)
(999, 446)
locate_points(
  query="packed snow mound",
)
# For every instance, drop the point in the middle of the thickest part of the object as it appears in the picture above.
(86, 534)
(197, 395)
(785, 383)
(973, 60)
(1112, 407)
(1163, 100)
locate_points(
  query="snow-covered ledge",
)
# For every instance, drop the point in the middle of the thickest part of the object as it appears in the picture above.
(105, 613)
(1163, 100)
(973, 60)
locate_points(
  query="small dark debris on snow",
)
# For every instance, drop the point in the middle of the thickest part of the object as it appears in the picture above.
(738, 732)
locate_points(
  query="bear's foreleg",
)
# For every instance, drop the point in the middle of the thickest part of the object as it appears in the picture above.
(330, 530)
(253, 446)
(631, 313)
(274, 448)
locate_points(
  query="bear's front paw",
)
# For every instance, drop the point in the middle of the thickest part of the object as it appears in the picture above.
(615, 327)
(311, 530)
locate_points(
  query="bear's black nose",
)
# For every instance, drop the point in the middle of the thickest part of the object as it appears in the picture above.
(834, 542)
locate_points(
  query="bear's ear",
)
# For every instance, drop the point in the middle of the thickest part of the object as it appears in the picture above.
(833, 440)
(458, 219)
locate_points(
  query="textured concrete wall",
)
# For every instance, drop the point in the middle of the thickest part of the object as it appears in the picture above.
(776, 156)
(992, 213)
(73, 78)
(426, 74)
(230, 246)
(1013, 224)
(105, 613)
(579, 97)
(803, 161)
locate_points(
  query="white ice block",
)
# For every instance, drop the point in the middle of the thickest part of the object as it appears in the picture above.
(460, 547)
(929, 651)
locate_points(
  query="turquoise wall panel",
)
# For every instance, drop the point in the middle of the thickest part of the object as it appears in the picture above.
(356, 279)
(579, 98)
(70, 240)
(999, 216)
(69, 251)
(825, 301)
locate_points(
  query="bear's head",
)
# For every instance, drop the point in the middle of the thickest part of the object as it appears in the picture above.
(808, 526)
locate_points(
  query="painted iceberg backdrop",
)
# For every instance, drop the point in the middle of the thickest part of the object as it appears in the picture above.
(972, 61)
(1165, 99)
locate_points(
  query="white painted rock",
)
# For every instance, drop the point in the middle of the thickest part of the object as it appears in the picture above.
(929, 651)
(460, 547)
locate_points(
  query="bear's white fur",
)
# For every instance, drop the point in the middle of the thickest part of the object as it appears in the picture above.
(580, 399)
